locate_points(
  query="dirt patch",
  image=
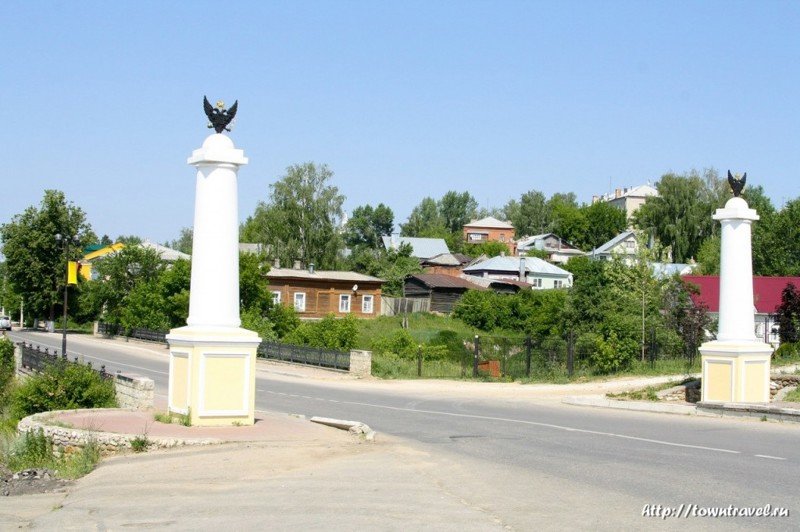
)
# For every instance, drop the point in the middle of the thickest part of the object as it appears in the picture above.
(30, 481)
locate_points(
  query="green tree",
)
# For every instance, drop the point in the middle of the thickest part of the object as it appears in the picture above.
(456, 210)
(490, 249)
(184, 241)
(603, 222)
(789, 314)
(680, 216)
(300, 219)
(425, 221)
(530, 215)
(368, 225)
(35, 260)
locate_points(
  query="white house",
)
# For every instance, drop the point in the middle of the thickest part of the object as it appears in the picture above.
(624, 244)
(558, 250)
(539, 273)
(628, 199)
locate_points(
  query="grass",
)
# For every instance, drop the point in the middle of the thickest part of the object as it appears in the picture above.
(172, 417)
(35, 450)
(421, 326)
(140, 443)
(793, 396)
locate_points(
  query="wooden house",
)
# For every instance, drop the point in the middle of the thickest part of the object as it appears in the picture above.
(317, 293)
(442, 290)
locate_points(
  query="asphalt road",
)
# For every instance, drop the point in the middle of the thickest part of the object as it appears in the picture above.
(516, 453)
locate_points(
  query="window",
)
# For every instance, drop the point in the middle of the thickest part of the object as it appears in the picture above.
(366, 305)
(477, 237)
(630, 244)
(344, 303)
(537, 282)
(300, 301)
(276, 297)
(502, 237)
(558, 284)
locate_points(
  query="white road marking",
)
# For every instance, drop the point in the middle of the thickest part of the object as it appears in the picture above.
(770, 457)
(539, 424)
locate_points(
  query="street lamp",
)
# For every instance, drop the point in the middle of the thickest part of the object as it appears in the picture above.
(65, 242)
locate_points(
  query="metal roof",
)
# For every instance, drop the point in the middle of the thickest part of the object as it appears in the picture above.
(421, 248)
(440, 280)
(490, 222)
(445, 259)
(511, 264)
(608, 246)
(766, 291)
(321, 275)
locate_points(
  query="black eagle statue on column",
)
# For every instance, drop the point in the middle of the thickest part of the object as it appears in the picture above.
(736, 183)
(218, 117)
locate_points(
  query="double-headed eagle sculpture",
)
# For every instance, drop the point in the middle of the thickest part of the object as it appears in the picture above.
(218, 117)
(736, 183)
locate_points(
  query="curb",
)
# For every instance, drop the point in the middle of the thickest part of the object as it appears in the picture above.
(353, 427)
(761, 411)
(600, 401)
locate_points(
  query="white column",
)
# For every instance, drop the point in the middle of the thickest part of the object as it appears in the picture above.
(214, 298)
(736, 309)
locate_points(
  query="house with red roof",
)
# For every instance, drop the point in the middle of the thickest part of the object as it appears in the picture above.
(766, 298)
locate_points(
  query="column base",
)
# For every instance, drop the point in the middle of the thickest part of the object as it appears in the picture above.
(736, 372)
(212, 373)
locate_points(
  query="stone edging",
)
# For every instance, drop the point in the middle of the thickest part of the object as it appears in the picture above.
(68, 439)
(602, 401)
(750, 410)
(353, 427)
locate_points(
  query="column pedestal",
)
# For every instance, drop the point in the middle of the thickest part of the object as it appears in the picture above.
(212, 374)
(736, 372)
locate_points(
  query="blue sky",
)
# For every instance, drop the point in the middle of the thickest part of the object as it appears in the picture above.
(402, 100)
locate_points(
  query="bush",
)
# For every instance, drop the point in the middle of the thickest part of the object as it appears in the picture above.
(254, 321)
(399, 342)
(329, 333)
(6, 364)
(786, 351)
(613, 354)
(62, 386)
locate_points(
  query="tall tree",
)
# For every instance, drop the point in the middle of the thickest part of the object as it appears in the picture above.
(530, 215)
(184, 241)
(368, 225)
(457, 209)
(603, 222)
(35, 260)
(680, 216)
(301, 218)
(425, 221)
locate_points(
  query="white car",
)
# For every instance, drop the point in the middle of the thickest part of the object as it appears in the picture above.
(5, 323)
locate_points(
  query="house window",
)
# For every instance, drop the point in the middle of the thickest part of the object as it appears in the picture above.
(344, 303)
(276, 297)
(558, 284)
(502, 237)
(630, 244)
(366, 305)
(477, 237)
(300, 301)
(537, 282)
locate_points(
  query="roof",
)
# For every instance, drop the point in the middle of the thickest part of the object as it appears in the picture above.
(445, 259)
(489, 222)
(663, 269)
(321, 275)
(421, 248)
(511, 264)
(530, 241)
(440, 280)
(640, 191)
(766, 291)
(167, 254)
(608, 246)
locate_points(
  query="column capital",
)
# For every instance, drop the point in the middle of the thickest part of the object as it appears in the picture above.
(217, 149)
(736, 209)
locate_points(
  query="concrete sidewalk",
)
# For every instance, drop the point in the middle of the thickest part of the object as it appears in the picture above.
(296, 476)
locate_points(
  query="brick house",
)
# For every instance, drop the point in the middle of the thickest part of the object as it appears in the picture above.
(490, 229)
(315, 294)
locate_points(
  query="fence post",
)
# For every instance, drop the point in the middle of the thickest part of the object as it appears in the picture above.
(419, 360)
(476, 356)
(528, 353)
(570, 353)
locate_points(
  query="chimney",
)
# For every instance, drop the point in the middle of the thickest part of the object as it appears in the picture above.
(617, 193)
(522, 269)
(311, 267)
(298, 265)
(276, 263)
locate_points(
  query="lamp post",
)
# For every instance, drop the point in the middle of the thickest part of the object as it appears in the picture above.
(65, 241)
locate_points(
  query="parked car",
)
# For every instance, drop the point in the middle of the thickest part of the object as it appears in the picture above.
(5, 323)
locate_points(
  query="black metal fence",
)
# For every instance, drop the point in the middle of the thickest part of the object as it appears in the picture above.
(313, 356)
(550, 357)
(138, 333)
(36, 358)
